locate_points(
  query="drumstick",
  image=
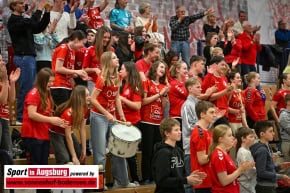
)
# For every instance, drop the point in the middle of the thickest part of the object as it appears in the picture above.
(124, 122)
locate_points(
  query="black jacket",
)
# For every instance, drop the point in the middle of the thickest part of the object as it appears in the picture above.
(21, 31)
(168, 169)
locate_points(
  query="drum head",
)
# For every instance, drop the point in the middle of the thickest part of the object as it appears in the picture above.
(126, 133)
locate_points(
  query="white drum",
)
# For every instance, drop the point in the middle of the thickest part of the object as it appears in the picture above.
(124, 140)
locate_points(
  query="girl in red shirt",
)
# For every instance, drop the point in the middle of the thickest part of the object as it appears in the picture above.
(254, 99)
(224, 172)
(7, 95)
(105, 102)
(74, 112)
(37, 118)
(131, 97)
(236, 116)
(278, 99)
(63, 65)
(155, 99)
(92, 59)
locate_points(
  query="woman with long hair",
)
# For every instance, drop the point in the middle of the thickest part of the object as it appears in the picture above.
(124, 50)
(283, 88)
(237, 116)
(106, 102)
(224, 172)
(74, 112)
(131, 92)
(37, 118)
(254, 99)
(154, 100)
(92, 59)
(63, 66)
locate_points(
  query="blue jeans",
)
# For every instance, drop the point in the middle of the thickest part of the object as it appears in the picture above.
(5, 138)
(182, 47)
(188, 188)
(27, 65)
(100, 131)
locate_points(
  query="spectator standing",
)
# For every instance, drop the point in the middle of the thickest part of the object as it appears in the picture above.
(282, 34)
(145, 18)
(120, 19)
(94, 13)
(66, 21)
(179, 25)
(211, 25)
(250, 48)
(21, 31)
(238, 26)
(284, 120)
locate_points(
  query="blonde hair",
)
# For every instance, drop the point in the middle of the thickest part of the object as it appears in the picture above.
(218, 132)
(174, 67)
(215, 51)
(250, 76)
(106, 63)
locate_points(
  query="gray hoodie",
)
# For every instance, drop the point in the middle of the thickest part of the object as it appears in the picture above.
(284, 119)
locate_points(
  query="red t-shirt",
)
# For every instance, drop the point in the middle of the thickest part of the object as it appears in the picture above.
(200, 140)
(67, 116)
(254, 105)
(222, 162)
(235, 103)
(107, 96)
(235, 51)
(80, 54)
(143, 66)
(133, 116)
(63, 52)
(91, 61)
(221, 83)
(153, 112)
(177, 96)
(35, 129)
(96, 21)
(279, 97)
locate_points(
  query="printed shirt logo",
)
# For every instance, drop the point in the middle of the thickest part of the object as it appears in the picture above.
(176, 162)
(221, 155)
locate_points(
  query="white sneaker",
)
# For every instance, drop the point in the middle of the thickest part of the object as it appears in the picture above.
(129, 185)
(136, 183)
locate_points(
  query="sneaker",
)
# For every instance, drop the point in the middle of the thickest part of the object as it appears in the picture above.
(129, 185)
(136, 183)
(105, 187)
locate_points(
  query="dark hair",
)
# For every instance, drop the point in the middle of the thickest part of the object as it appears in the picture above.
(40, 83)
(134, 79)
(241, 133)
(202, 107)
(166, 125)
(231, 75)
(152, 72)
(209, 37)
(76, 34)
(216, 59)
(138, 30)
(123, 43)
(149, 47)
(287, 98)
(169, 56)
(281, 80)
(196, 58)
(262, 126)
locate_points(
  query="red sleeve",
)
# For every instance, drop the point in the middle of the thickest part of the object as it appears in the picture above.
(33, 97)
(259, 47)
(177, 90)
(218, 161)
(145, 85)
(99, 83)
(136, 97)
(277, 97)
(87, 58)
(61, 54)
(206, 83)
(66, 115)
(199, 142)
(139, 65)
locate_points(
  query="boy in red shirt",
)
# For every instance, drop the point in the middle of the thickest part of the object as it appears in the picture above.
(200, 141)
